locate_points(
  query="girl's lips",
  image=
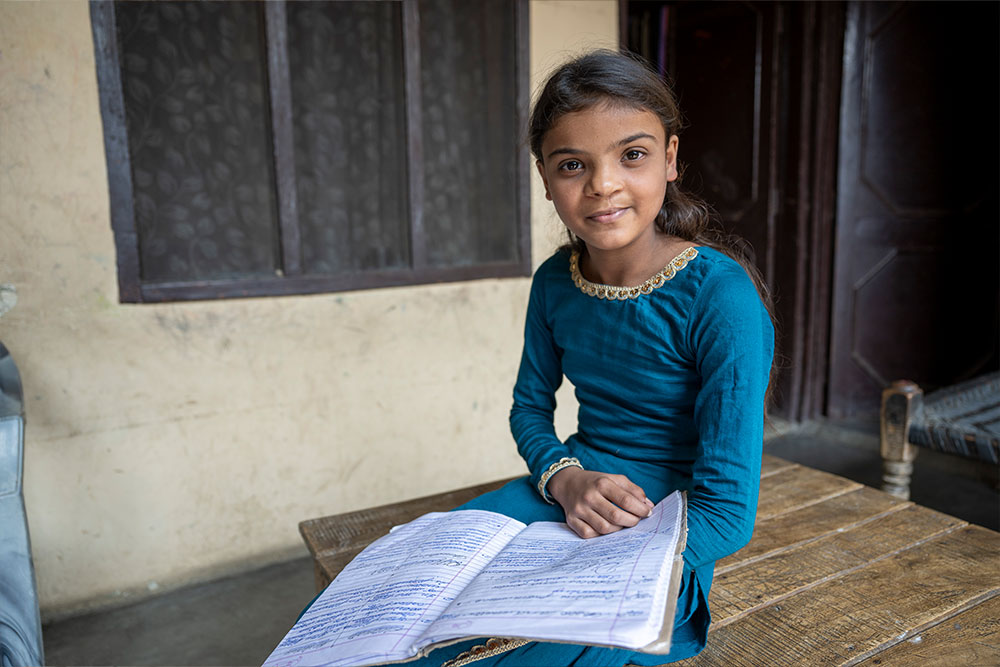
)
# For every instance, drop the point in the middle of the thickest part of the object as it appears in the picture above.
(608, 215)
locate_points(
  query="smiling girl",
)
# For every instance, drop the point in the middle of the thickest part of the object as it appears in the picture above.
(662, 326)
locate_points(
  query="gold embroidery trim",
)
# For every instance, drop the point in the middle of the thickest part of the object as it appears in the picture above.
(615, 293)
(492, 647)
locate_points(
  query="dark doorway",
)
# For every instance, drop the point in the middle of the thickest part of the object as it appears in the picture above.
(810, 132)
(916, 269)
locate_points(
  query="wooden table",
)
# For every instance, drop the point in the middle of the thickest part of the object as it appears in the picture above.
(837, 573)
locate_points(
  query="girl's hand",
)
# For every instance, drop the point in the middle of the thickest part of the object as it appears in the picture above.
(598, 503)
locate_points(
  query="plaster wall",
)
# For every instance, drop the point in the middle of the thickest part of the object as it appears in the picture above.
(171, 443)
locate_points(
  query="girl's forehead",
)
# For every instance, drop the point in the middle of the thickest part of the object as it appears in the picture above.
(595, 125)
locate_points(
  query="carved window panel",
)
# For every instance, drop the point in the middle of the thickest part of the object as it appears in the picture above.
(349, 134)
(294, 147)
(469, 141)
(194, 84)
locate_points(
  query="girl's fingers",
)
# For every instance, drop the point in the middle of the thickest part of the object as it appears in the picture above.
(598, 524)
(611, 512)
(636, 491)
(631, 487)
(629, 497)
(581, 527)
(598, 503)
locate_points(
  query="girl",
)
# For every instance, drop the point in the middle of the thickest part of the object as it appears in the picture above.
(662, 327)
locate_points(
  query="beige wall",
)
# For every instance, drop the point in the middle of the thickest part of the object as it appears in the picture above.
(170, 443)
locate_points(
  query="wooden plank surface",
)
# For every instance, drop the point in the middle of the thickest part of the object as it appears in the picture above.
(969, 639)
(786, 530)
(772, 464)
(852, 617)
(798, 487)
(763, 582)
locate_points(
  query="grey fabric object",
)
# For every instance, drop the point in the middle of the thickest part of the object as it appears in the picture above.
(20, 625)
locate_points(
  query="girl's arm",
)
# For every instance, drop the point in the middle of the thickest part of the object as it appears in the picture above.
(538, 378)
(732, 340)
(594, 502)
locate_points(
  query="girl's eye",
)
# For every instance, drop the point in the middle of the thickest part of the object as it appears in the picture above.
(633, 154)
(571, 165)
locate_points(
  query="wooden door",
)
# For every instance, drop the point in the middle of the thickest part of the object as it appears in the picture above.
(916, 277)
(759, 85)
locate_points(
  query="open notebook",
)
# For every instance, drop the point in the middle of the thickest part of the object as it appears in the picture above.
(450, 576)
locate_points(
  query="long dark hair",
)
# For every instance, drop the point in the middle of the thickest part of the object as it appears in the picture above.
(618, 79)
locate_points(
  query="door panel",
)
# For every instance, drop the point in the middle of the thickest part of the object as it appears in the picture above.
(759, 85)
(916, 278)
(721, 60)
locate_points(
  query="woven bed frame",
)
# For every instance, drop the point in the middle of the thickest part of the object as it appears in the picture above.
(963, 419)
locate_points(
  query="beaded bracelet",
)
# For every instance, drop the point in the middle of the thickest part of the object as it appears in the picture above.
(564, 462)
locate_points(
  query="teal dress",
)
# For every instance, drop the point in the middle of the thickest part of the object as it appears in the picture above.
(670, 381)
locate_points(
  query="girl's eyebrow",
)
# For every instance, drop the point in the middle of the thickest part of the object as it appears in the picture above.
(627, 140)
(634, 137)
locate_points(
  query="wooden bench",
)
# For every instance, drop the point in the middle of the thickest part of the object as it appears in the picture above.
(837, 573)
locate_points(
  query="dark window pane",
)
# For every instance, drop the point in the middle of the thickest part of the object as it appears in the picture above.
(346, 63)
(469, 130)
(193, 78)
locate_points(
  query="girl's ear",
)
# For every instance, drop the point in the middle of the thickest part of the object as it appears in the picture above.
(545, 181)
(672, 157)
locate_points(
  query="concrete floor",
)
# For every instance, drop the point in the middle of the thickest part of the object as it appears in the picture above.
(232, 621)
(239, 620)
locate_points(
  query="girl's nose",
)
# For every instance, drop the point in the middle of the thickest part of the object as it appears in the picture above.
(603, 181)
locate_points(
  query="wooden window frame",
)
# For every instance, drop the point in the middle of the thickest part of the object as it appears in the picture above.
(289, 278)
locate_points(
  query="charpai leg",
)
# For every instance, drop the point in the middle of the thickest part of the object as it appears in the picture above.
(900, 403)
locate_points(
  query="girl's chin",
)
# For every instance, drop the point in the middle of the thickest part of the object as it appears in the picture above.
(606, 247)
(608, 242)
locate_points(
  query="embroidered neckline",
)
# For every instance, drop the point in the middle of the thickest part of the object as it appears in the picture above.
(616, 293)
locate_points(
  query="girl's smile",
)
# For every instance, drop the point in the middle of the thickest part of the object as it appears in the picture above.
(610, 215)
(606, 170)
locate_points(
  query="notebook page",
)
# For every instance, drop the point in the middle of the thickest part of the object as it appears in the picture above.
(550, 584)
(391, 592)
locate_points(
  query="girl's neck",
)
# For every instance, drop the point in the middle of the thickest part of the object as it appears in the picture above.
(628, 267)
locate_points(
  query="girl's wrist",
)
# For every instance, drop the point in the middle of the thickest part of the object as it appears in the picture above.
(559, 480)
(562, 464)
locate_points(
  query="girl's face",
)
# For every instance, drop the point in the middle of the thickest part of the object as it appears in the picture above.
(606, 171)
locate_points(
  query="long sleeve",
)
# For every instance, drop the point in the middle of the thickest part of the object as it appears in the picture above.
(732, 340)
(539, 376)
